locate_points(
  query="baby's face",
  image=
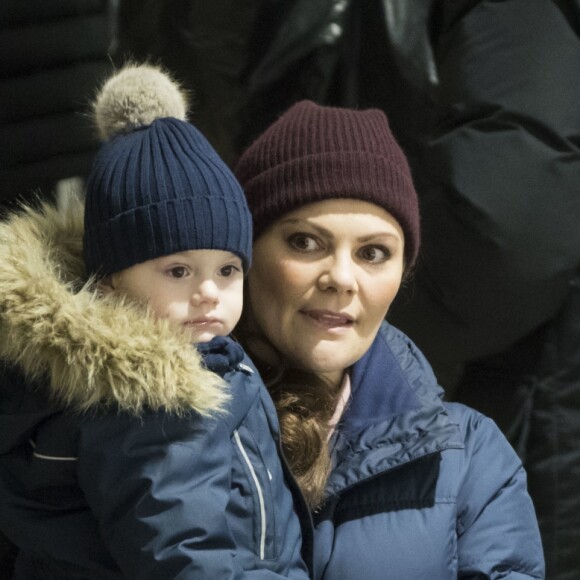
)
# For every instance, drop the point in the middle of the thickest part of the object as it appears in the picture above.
(201, 290)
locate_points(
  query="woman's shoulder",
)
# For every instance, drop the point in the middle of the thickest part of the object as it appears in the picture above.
(484, 443)
(468, 417)
(404, 348)
(470, 421)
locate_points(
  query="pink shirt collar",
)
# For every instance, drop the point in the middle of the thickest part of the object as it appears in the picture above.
(343, 398)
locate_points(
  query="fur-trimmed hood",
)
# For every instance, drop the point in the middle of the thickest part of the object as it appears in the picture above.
(93, 349)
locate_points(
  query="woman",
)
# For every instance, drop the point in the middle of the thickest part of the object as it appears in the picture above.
(401, 484)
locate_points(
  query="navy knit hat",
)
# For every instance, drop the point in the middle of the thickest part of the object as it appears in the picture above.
(313, 153)
(157, 187)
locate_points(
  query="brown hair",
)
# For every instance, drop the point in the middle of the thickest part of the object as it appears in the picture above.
(305, 404)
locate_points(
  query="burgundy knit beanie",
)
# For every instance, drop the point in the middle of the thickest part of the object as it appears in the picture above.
(314, 153)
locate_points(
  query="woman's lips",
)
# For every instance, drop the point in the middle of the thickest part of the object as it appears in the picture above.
(328, 320)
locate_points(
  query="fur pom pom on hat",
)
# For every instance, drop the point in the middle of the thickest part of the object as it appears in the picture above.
(135, 98)
(157, 186)
(314, 153)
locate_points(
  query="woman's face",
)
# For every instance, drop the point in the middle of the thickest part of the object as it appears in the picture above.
(322, 280)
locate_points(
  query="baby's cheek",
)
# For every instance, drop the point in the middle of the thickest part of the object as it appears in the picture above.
(177, 311)
(161, 309)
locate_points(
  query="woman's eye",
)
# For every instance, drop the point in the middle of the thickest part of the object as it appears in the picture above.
(375, 254)
(178, 272)
(229, 270)
(303, 242)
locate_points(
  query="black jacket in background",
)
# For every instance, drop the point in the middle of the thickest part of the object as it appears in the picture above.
(53, 55)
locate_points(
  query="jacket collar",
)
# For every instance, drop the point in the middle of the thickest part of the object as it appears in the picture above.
(221, 354)
(380, 388)
(396, 413)
(93, 349)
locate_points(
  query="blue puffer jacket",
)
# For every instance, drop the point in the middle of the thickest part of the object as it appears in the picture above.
(120, 456)
(421, 489)
(113, 495)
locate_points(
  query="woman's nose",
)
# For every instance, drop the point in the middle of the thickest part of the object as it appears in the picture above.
(340, 275)
(206, 292)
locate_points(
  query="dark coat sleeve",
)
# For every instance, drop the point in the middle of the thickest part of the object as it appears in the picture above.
(499, 180)
(159, 487)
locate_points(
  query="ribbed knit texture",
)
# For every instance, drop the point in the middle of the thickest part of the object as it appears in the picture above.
(314, 153)
(159, 190)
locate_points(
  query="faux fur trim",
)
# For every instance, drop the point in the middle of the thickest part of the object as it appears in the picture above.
(94, 349)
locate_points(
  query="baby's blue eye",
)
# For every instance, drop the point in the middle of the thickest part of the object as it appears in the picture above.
(229, 270)
(178, 272)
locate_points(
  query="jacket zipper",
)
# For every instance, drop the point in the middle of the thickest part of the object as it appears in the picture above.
(260, 494)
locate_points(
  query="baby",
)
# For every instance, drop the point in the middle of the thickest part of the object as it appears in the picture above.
(141, 485)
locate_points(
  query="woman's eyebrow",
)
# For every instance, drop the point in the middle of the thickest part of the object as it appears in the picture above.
(329, 233)
(302, 222)
(378, 235)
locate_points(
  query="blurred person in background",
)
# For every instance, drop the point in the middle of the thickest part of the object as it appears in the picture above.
(53, 55)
